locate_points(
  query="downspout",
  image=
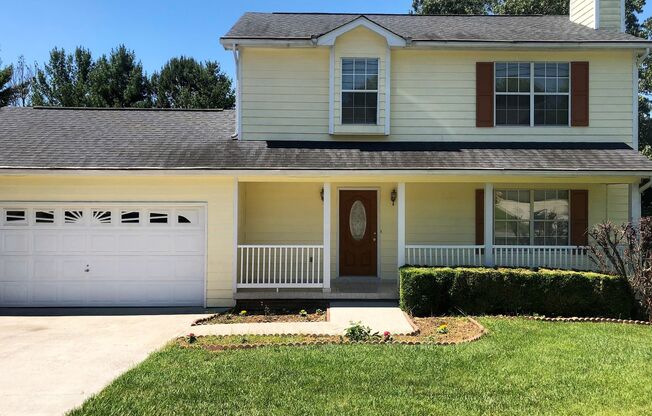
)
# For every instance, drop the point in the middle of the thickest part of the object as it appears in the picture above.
(238, 102)
(639, 61)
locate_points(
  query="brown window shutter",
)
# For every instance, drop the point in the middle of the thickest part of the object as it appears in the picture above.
(579, 94)
(484, 94)
(479, 216)
(579, 217)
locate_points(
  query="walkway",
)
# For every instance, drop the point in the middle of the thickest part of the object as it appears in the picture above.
(380, 316)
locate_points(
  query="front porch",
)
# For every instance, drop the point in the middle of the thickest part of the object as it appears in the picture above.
(294, 239)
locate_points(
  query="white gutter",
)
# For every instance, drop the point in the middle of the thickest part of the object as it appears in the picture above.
(288, 171)
(495, 44)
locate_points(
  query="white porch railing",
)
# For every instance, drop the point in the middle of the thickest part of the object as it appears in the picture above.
(440, 255)
(280, 266)
(557, 257)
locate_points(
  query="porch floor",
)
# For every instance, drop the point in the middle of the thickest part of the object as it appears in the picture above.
(351, 288)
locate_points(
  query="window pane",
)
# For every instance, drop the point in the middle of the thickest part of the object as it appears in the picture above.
(512, 69)
(551, 84)
(512, 84)
(347, 66)
(501, 69)
(539, 84)
(360, 66)
(347, 115)
(359, 115)
(501, 84)
(539, 70)
(347, 82)
(524, 70)
(562, 84)
(44, 217)
(372, 66)
(562, 70)
(347, 99)
(370, 116)
(372, 82)
(524, 84)
(551, 70)
(359, 82)
(551, 110)
(358, 99)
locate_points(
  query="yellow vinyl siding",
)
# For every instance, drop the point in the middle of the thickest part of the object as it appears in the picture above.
(217, 193)
(360, 43)
(610, 14)
(282, 213)
(285, 94)
(445, 213)
(583, 12)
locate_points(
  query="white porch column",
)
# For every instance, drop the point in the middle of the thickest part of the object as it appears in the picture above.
(327, 237)
(634, 203)
(234, 266)
(489, 224)
(400, 258)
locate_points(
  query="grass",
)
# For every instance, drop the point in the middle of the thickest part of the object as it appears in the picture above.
(521, 367)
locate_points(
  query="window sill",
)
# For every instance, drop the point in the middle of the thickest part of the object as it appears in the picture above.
(359, 129)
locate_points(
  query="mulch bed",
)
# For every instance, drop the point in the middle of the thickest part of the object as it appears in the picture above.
(458, 330)
(262, 312)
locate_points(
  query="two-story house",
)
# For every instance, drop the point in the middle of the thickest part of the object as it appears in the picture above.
(360, 143)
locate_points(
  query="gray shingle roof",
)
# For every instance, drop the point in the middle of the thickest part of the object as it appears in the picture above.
(427, 28)
(41, 138)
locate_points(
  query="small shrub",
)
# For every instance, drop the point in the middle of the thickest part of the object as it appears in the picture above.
(428, 291)
(303, 313)
(191, 338)
(387, 336)
(243, 313)
(319, 312)
(357, 332)
(442, 329)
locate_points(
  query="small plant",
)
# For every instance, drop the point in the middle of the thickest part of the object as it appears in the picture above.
(442, 329)
(357, 332)
(243, 313)
(303, 313)
(387, 336)
(266, 310)
(229, 316)
(319, 312)
(244, 340)
(191, 338)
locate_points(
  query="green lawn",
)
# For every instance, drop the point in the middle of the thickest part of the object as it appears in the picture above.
(521, 368)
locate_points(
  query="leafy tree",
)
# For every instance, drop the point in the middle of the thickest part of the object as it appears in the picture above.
(450, 7)
(558, 7)
(119, 81)
(186, 83)
(6, 90)
(64, 80)
(21, 82)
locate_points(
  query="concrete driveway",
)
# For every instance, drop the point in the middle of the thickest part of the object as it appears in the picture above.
(51, 360)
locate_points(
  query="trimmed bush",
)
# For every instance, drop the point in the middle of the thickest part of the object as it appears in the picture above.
(435, 290)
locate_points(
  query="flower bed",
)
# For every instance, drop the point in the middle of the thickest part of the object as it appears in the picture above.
(261, 313)
(433, 330)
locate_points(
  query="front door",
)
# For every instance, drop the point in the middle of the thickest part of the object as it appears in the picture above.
(358, 227)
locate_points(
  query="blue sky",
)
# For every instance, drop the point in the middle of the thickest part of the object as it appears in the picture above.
(156, 29)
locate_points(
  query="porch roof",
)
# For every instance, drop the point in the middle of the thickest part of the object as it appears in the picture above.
(118, 139)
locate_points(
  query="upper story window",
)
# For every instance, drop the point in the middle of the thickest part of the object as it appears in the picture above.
(359, 90)
(532, 94)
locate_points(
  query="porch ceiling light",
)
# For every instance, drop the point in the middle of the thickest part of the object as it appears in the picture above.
(393, 196)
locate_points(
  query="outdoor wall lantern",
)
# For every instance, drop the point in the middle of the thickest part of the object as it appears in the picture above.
(393, 196)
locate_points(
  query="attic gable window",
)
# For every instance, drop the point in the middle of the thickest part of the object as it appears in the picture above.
(359, 90)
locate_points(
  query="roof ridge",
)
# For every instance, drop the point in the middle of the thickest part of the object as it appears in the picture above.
(45, 107)
(415, 15)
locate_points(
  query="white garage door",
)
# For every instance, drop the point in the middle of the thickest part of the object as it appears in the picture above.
(100, 254)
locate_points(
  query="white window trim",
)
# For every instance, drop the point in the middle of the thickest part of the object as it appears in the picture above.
(532, 94)
(531, 220)
(342, 91)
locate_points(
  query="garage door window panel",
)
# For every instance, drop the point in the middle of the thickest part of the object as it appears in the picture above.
(130, 217)
(158, 217)
(73, 217)
(15, 216)
(44, 216)
(101, 217)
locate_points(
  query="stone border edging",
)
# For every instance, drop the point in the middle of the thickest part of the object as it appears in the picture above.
(221, 347)
(576, 319)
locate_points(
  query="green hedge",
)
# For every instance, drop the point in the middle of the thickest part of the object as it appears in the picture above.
(435, 290)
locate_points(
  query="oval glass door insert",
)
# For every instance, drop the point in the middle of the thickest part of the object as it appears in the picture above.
(358, 220)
